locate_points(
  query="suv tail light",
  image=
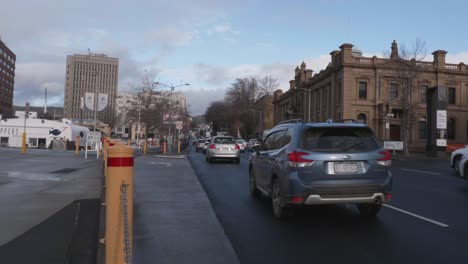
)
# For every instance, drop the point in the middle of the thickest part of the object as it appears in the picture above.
(386, 160)
(212, 146)
(296, 159)
(237, 146)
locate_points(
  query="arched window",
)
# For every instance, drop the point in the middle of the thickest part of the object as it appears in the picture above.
(451, 128)
(362, 118)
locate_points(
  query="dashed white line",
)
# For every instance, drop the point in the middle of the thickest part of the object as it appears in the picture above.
(417, 216)
(420, 171)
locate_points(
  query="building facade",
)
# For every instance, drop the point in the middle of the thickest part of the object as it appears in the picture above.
(263, 108)
(93, 73)
(364, 89)
(7, 80)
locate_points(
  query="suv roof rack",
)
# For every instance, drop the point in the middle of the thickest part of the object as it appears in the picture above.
(349, 120)
(291, 121)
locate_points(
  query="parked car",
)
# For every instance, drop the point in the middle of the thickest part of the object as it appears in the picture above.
(223, 148)
(463, 167)
(321, 163)
(242, 144)
(252, 142)
(456, 157)
(207, 143)
(200, 145)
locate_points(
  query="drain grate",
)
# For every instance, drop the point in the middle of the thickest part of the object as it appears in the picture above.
(66, 170)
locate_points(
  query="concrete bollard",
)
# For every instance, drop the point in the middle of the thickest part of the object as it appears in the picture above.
(77, 145)
(119, 205)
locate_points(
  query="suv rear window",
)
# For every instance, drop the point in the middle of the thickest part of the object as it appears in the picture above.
(224, 140)
(338, 139)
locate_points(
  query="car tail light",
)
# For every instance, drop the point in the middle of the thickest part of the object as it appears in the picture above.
(297, 199)
(296, 159)
(388, 197)
(212, 146)
(386, 160)
(237, 146)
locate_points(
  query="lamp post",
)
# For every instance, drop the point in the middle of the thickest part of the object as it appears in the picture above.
(95, 99)
(309, 95)
(172, 87)
(26, 115)
(138, 127)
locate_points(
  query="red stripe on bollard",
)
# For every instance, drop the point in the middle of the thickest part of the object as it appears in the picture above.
(120, 162)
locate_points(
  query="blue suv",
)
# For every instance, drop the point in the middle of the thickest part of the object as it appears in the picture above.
(321, 163)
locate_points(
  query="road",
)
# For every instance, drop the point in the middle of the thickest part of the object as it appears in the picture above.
(425, 223)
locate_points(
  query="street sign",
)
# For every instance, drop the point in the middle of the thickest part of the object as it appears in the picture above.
(393, 145)
(387, 125)
(441, 119)
(93, 139)
(179, 125)
(441, 142)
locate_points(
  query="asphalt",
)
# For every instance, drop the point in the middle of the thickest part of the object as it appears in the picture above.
(337, 234)
(174, 221)
(49, 206)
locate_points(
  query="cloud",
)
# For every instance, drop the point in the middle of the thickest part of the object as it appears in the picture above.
(222, 28)
(457, 58)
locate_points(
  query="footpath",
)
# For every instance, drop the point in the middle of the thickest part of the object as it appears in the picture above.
(174, 221)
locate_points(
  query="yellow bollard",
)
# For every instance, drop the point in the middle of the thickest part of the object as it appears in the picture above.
(23, 144)
(178, 147)
(77, 145)
(144, 148)
(164, 147)
(128, 143)
(119, 205)
(65, 140)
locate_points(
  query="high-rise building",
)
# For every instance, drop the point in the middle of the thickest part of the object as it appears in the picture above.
(7, 80)
(95, 74)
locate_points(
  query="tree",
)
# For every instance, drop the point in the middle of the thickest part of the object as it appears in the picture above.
(268, 85)
(405, 73)
(147, 104)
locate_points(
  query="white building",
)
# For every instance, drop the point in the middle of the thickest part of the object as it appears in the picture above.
(20, 114)
(39, 132)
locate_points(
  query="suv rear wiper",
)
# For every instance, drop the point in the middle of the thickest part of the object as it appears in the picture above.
(352, 146)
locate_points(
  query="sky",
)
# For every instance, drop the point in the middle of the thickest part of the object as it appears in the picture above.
(210, 43)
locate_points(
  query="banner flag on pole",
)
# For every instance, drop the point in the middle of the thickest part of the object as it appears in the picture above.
(89, 101)
(102, 101)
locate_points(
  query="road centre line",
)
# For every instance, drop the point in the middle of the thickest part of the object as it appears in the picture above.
(428, 172)
(415, 215)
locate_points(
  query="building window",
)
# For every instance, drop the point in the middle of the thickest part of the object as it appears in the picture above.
(451, 96)
(422, 129)
(363, 90)
(362, 118)
(423, 94)
(393, 91)
(451, 128)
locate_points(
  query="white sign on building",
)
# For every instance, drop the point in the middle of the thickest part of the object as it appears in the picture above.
(441, 119)
(393, 145)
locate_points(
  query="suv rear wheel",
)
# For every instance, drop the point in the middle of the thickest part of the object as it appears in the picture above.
(369, 210)
(456, 163)
(280, 211)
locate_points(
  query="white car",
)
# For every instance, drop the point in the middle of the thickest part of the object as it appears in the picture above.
(456, 158)
(462, 167)
(242, 144)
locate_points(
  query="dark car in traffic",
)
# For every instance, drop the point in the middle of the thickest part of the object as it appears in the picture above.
(321, 163)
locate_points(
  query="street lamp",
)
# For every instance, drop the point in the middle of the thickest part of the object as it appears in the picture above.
(309, 91)
(172, 87)
(26, 115)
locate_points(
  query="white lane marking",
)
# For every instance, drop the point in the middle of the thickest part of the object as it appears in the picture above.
(415, 215)
(428, 172)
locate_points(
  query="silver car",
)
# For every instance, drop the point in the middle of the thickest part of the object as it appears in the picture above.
(223, 148)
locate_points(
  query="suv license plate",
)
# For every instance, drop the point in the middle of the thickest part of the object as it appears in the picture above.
(346, 168)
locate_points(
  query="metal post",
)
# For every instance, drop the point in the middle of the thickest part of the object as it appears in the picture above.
(26, 114)
(309, 104)
(95, 99)
(170, 120)
(138, 128)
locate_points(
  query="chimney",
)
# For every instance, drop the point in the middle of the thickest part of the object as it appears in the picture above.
(394, 54)
(346, 52)
(292, 84)
(308, 74)
(439, 59)
(334, 57)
